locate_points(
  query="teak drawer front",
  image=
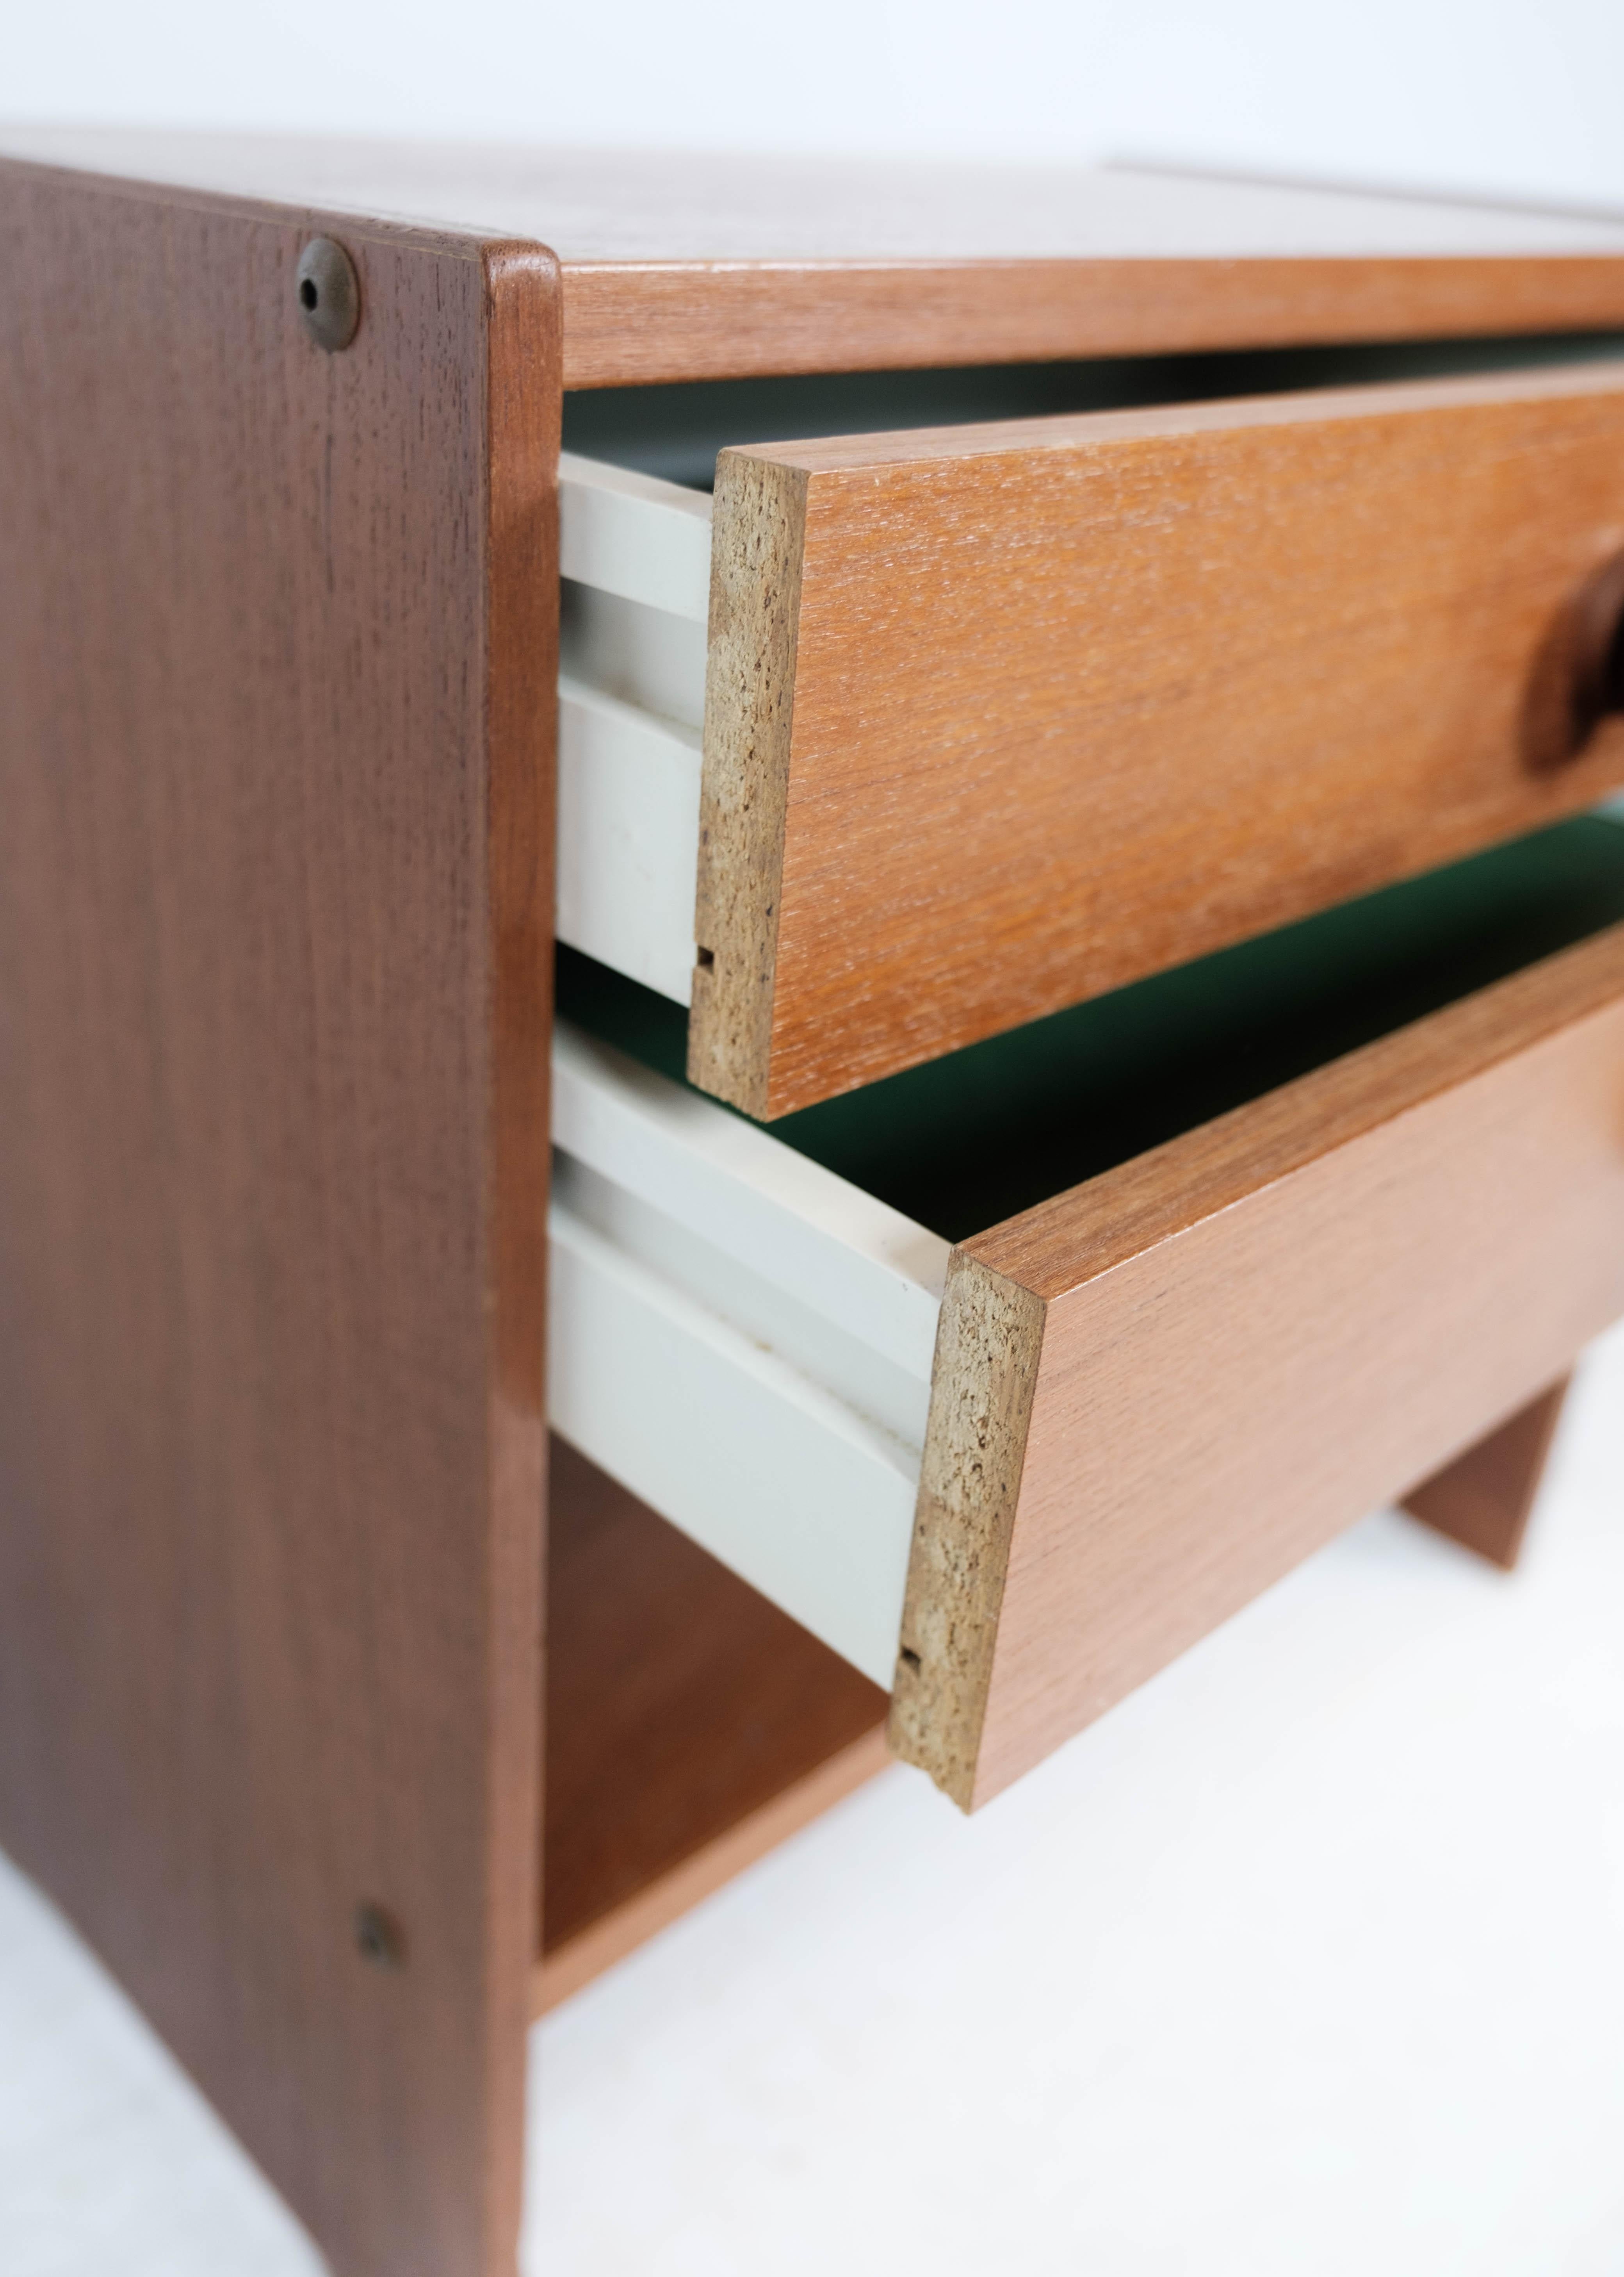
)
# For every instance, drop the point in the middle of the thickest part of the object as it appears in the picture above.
(1155, 1394)
(1000, 718)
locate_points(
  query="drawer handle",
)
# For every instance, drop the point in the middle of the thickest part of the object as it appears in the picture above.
(1578, 676)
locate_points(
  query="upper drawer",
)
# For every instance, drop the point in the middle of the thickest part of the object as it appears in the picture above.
(997, 717)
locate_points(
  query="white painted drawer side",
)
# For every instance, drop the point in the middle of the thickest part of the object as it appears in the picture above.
(744, 1340)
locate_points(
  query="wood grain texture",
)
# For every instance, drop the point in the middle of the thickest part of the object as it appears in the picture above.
(1071, 700)
(679, 1888)
(1250, 1336)
(275, 893)
(1485, 1498)
(634, 324)
(690, 1726)
(691, 265)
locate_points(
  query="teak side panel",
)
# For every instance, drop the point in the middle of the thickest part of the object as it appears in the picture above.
(1240, 1343)
(278, 640)
(1072, 700)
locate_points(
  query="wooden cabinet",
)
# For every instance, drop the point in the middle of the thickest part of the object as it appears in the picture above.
(990, 803)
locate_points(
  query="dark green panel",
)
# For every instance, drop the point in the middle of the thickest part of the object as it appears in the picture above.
(975, 1137)
(675, 432)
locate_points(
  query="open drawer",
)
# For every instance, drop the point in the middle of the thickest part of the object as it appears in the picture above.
(1357, 1196)
(992, 719)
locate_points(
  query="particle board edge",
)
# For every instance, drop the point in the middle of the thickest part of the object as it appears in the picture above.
(984, 1383)
(756, 565)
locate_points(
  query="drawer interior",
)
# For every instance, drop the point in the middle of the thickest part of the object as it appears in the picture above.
(744, 1319)
(675, 432)
(965, 1141)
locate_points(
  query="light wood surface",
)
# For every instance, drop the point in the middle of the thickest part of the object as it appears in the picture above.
(1002, 716)
(691, 1727)
(685, 265)
(276, 651)
(1485, 1498)
(1200, 1366)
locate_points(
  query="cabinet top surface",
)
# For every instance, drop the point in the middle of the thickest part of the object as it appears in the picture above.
(595, 206)
(682, 265)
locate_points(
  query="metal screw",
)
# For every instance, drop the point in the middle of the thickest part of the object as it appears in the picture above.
(379, 1936)
(328, 294)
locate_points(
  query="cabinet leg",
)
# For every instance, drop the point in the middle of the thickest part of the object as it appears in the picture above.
(1482, 1498)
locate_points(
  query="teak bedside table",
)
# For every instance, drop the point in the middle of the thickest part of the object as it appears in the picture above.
(1113, 766)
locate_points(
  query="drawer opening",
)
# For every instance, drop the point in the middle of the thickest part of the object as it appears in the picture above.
(744, 1321)
(674, 431)
(1091, 1086)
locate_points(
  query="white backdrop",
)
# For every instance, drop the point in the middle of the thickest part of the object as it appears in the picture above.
(1490, 96)
(1308, 1961)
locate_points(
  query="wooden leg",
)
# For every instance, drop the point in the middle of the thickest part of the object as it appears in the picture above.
(1482, 1498)
(277, 668)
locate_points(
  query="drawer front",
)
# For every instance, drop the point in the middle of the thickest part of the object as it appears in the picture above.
(1000, 718)
(1154, 1395)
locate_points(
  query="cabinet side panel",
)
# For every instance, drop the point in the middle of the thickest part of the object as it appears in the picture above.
(524, 353)
(268, 1578)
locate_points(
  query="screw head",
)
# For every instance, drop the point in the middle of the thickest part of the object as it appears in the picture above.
(379, 1936)
(328, 294)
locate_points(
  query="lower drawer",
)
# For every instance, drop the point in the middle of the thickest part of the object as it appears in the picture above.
(1273, 1238)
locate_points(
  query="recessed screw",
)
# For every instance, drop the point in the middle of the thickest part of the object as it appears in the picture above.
(328, 294)
(379, 1936)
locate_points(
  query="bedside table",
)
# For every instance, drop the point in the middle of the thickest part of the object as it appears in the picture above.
(1107, 774)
